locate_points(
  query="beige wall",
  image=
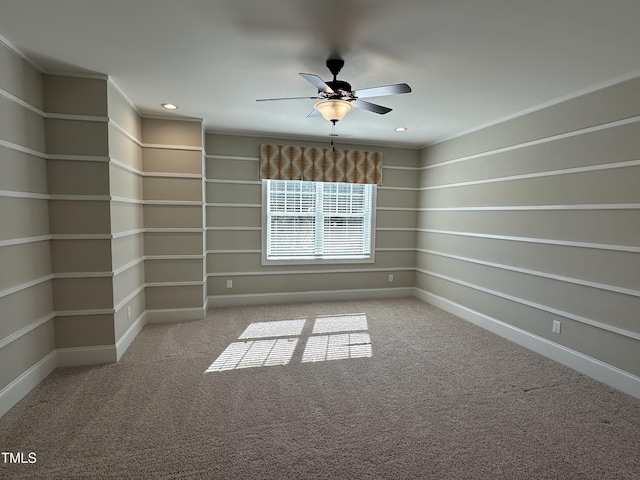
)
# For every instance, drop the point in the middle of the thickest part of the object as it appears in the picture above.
(77, 132)
(233, 195)
(27, 338)
(536, 219)
(173, 166)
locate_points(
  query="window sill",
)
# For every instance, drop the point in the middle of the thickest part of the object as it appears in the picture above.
(318, 261)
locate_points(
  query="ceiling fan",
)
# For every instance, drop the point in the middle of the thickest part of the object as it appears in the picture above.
(336, 97)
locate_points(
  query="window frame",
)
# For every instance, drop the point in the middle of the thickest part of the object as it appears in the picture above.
(317, 260)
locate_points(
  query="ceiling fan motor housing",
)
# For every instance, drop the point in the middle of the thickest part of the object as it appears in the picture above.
(340, 88)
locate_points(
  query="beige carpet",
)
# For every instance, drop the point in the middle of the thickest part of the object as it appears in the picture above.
(412, 393)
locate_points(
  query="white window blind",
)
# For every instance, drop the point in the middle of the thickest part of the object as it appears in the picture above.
(318, 220)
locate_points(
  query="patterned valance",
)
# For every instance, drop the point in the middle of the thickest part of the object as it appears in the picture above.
(315, 164)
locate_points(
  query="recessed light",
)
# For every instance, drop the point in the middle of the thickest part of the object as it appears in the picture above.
(401, 129)
(170, 106)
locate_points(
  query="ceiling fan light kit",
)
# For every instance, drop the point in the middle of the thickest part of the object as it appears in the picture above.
(333, 110)
(336, 98)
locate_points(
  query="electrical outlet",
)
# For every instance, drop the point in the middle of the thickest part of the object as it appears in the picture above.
(557, 326)
(229, 283)
(391, 277)
(129, 311)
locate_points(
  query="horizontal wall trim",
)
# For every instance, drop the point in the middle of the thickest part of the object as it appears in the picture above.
(123, 303)
(310, 272)
(95, 274)
(235, 229)
(233, 182)
(404, 189)
(23, 286)
(174, 284)
(24, 240)
(64, 275)
(551, 138)
(226, 252)
(79, 158)
(544, 105)
(235, 205)
(128, 168)
(537, 273)
(11, 97)
(128, 233)
(498, 208)
(25, 330)
(399, 167)
(174, 230)
(175, 203)
(123, 166)
(76, 117)
(172, 203)
(124, 132)
(395, 249)
(161, 146)
(395, 229)
(81, 198)
(127, 200)
(592, 367)
(86, 312)
(217, 301)
(22, 149)
(128, 266)
(545, 241)
(173, 257)
(397, 209)
(81, 236)
(195, 176)
(538, 306)
(231, 157)
(28, 195)
(546, 173)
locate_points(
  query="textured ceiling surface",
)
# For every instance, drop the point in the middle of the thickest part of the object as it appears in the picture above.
(470, 63)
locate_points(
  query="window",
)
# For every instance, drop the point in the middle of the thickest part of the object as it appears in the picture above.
(315, 222)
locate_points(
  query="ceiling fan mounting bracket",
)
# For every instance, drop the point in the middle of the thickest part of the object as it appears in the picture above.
(335, 65)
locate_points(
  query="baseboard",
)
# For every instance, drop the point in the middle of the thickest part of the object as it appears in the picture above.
(173, 315)
(74, 357)
(16, 390)
(125, 340)
(603, 372)
(302, 297)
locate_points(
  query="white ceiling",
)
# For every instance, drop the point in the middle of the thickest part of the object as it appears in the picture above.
(470, 62)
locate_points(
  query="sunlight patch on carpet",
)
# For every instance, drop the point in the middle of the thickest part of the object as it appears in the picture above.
(345, 336)
(279, 328)
(340, 323)
(258, 353)
(337, 347)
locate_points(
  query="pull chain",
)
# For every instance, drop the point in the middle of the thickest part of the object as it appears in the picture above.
(333, 134)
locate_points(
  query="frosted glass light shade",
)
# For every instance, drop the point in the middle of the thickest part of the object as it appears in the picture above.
(333, 110)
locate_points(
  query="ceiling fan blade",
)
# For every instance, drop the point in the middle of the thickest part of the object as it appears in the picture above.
(285, 98)
(382, 91)
(314, 113)
(371, 107)
(317, 82)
